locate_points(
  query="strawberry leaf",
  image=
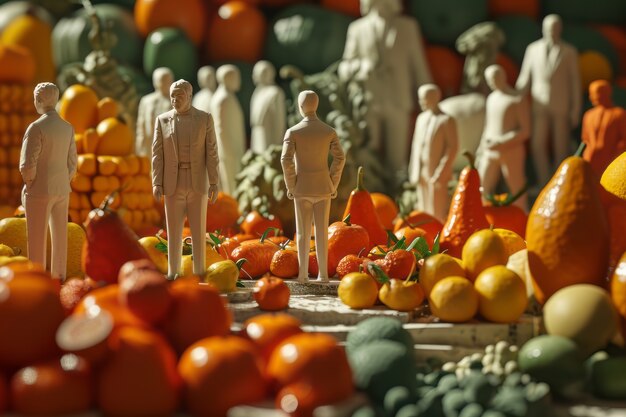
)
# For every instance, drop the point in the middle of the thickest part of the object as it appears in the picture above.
(377, 272)
(436, 248)
(391, 238)
(214, 239)
(268, 231)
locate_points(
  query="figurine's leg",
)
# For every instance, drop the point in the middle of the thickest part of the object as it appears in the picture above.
(321, 213)
(196, 213)
(539, 147)
(58, 236)
(514, 175)
(561, 139)
(174, 220)
(304, 212)
(441, 200)
(37, 216)
(422, 194)
(488, 166)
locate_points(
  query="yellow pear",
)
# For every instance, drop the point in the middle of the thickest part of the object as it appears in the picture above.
(157, 256)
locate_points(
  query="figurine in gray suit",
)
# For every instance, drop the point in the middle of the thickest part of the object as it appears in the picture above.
(184, 172)
(310, 182)
(550, 71)
(47, 164)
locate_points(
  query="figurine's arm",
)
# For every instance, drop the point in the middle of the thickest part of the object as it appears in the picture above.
(451, 137)
(212, 160)
(524, 79)
(31, 149)
(72, 158)
(339, 160)
(157, 160)
(288, 163)
(574, 86)
(519, 135)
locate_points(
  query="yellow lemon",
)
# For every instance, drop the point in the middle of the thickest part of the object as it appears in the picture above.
(501, 294)
(6, 250)
(157, 256)
(483, 249)
(187, 267)
(223, 275)
(438, 267)
(512, 241)
(358, 290)
(75, 238)
(454, 299)
(401, 295)
(613, 177)
(13, 234)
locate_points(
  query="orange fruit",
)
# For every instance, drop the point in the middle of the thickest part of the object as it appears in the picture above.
(146, 294)
(108, 298)
(618, 286)
(30, 312)
(17, 64)
(411, 233)
(223, 214)
(401, 295)
(139, 377)
(79, 107)
(285, 264)
(507, 217)
(422, 220)
(438, 267)
(59, 387)
(86, 334)
(454, 299)
(483, 249)
(115, 138)
(267, 331)
(189, 17)
(107, 107)
(513, 242)
(344, 239)
(244, 25)
(358, 290)
(221, 372)
(501, 293)
(271, 293)
(198, 312)
(350, 7)
(350, 263)
(386, 208)
(256, 224)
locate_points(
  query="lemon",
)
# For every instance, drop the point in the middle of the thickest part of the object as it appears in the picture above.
(512, 241)
(501, 293)
(613, 177)
(159, 258)
(6, 250)
(75, 239)
(401, 295)
(438, 267)
(358, 290)
(454, 299)
(483, 249)
(223, 275)
(7, 260)
(187, 265)
(13, 234)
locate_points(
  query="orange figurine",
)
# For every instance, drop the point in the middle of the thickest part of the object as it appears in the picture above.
(603, 128)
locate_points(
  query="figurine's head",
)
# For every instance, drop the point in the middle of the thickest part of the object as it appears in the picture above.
(46, 96)
(230, 77)
(495, 77)
(429, 96)
(206, 77)
(162, 79)
(600, 93)
(552, 27)
(308, 102)
(263, 73)
(180, 96)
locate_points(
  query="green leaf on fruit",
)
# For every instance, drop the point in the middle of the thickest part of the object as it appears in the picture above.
(161, 247)
(240, 284)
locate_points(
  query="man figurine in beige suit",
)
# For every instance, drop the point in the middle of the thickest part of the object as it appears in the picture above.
(310, 183)
(150, 106)
(184, 172)
(550, 71)
(47, 165)
(435, 144)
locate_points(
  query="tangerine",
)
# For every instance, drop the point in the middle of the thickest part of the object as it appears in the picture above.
(271, 293)
(454, 299)
(267, 331)
(501, 294)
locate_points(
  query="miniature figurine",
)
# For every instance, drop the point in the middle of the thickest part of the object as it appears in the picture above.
(229, 126)
(603, 128)
(208, 84)
(550, 71)
(310, 183)
(184, 159)
(47, 163)
(435, 144)
(502, 147)
(150, 106)
(384, 50)
(267, 108)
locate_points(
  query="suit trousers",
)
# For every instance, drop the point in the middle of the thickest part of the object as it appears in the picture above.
(544, 123)
(316, 209)
(186, 202)
(433, 198)
(511, 164)
(43, 211)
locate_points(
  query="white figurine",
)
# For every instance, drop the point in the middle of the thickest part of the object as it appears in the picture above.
(208, 84)
(185, 172)
(47, 164)
(310, 183)
(435, 145)
(384, 50)
(150, 106)
(550, 71)
(507, 127)
(229, 126)
(267, 108)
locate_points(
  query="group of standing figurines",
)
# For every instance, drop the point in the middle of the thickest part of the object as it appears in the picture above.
(196, 142)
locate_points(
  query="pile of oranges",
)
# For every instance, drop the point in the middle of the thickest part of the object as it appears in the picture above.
(147, 346)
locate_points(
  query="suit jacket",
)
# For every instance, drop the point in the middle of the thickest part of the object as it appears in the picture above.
(553, 79)
(48, 156)
(305, 159)
(150, 106)
(204, 159)
(398, 56)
